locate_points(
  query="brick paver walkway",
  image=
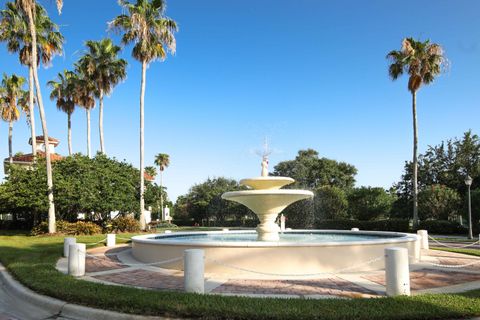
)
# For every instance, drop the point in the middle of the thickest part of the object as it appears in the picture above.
(107, 266)
(144, 278)
(430, 278)
(331, 286)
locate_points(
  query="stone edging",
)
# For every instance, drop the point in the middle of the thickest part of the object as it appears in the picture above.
(63, 308)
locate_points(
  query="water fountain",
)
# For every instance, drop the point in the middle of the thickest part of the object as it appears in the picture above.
(267, 200)
(265, 250)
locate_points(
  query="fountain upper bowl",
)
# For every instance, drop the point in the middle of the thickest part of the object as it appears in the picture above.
(266, 183)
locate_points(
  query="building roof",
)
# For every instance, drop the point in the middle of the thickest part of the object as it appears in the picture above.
(29, 157)
(148, 177)
(39, 139)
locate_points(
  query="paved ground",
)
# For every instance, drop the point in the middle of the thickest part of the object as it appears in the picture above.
(457, 273)
(12, 309)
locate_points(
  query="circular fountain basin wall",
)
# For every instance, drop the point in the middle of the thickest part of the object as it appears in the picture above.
(297, 252)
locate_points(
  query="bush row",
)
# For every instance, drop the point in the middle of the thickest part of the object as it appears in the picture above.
(120, 224)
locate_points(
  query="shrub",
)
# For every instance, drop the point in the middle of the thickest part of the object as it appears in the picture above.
(330, 203)
(162, 224)
(367, 203)
(438, 202)
(125, 224)
(442, 227)
(69, 228)
(399, 225)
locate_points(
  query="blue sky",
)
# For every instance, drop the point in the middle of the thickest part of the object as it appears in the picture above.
(305, 74)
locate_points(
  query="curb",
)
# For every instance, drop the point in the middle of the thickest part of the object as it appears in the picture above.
(63, 308)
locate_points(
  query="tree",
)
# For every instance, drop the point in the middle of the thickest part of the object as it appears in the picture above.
(311, 172)
(14, 30)
(146, 25)
(368, 203)
(84, 90)
(12, 96)
(63, 92)
(330, 203)
(162, 160)
(422, 61)
(438, 202)
(28, 6)
(444, 164)
(203, 202)
(102, 65)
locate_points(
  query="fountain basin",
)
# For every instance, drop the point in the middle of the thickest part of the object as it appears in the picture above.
(266, 183)
(267, 204)
(309, 256)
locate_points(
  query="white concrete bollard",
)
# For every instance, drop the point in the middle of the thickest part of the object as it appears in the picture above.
(76, 259)
(282, 223)
(111, 240)
(168, 231)
(225, 229)
(424, 239)
(66, 243)
(397, 274)
(194, 270)
(355, 229)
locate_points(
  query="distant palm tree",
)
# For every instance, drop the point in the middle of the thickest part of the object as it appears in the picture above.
(84, 96)
(102, 65)
(14, 30)
(162, 160)
(146, 25)
(12, 96)
(63, 92)
(29, 7)
(422, 61)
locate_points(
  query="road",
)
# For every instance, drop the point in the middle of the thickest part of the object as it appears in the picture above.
(13, 309)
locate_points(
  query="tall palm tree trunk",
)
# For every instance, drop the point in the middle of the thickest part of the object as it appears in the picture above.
(100, 121)
(415, 160)
(10, 148)
(51, 204)
(69, 117)
(89, 149)
(161, 193)
(142, 147)
(31, 106)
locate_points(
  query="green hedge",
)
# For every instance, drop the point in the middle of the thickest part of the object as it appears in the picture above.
(400, 225)
(442, 227)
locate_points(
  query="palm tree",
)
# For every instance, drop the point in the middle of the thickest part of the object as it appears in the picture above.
(11, 97)
(83, 96)
(162, 160)
(103, 67)
(14, 30)
(28, 7)
(63, 92)
(152, 33)
(422, 61)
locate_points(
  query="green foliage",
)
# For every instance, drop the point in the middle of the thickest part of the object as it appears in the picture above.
(125, 224)
(330, 203)
(438, 202)
(368, 203)
(311, 172)
(442, 227)
(68, 228)
(98, 185)
(203, 203)
(475, 210)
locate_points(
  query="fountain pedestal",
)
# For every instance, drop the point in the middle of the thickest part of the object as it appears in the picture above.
(267, 200)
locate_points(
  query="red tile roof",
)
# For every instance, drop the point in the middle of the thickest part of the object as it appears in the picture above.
(29, 157)
(40, 139)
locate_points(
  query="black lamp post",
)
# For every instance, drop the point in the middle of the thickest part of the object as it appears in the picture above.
(468, 182)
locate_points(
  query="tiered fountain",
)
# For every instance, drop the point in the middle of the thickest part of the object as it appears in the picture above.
(266, 251)
(267, 200)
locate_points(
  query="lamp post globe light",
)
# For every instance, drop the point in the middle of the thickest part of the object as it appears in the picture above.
(468, 182)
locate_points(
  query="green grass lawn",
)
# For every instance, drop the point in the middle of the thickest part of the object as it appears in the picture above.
(32, 261)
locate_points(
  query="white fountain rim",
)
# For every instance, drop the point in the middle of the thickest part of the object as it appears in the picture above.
(162, 239)
(267, 192)
(269, 178)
